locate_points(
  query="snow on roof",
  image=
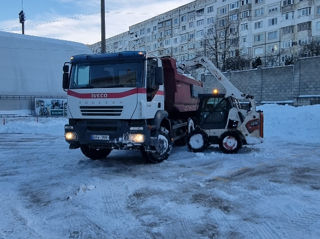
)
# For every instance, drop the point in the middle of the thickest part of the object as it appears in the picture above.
(32, 65)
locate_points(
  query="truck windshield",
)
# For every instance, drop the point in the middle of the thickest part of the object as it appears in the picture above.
(108, 75)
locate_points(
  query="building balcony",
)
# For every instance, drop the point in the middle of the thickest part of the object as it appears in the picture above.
(287, 8)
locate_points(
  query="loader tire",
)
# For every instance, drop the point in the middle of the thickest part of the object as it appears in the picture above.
(198, 141)
(230, 142)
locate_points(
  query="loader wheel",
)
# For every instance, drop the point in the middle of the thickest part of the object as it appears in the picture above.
(198, 141)
(95, 153)
(161, 150)
(230, 142)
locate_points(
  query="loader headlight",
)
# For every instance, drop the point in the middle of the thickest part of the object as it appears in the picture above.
(71, 136)
(136, 138)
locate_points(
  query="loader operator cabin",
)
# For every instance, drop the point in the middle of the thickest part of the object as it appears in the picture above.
(30, 73)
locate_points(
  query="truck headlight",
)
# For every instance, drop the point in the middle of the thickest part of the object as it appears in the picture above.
(136, 138)
(71, 136)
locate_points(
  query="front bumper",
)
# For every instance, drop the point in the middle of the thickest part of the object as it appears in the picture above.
(116, 134)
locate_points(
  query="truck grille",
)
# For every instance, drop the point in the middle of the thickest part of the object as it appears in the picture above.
(101, 110)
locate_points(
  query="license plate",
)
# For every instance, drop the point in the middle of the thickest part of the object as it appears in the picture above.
(99, 137)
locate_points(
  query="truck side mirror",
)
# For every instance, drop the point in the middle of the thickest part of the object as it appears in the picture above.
(66, 68)
(66, 81)
(159, 76)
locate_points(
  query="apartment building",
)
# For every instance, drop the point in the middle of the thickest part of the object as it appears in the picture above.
(270, 29)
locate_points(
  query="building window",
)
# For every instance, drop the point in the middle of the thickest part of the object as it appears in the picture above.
(245, 14)
(154, 28)
(200, 12)
(175, 40)
(273, 21)
(244, 2)
(200, 22)
(222, 10)
(191, 24)
(233, 17)
(318, 10)
(167, 42)
(221, 22)
(272, 35)
(258, 37)
(259, 12)
(304, 26)
(191, 36)
(287, 30)
(183, 38)
(244, 39)
(258, 1)
(210, 20)
(183, 28)
(199, 34)
(304, 11)
(175, 21)
(210, 9)
(244, 26)
(183, 18)
(258, 25)
(233, 5)
(287, 2)
(273, 10)
(288, 15)
(258, 51)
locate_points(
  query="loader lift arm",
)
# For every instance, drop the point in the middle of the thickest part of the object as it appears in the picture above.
(231, 90)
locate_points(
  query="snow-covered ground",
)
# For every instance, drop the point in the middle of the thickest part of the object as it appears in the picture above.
(270, 190)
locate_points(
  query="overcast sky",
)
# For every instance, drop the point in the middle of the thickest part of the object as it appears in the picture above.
(79, 20)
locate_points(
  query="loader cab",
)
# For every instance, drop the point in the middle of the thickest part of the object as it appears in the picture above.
(213, 111)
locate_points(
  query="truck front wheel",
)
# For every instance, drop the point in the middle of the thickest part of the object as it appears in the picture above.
(162, 148)
(95, 153)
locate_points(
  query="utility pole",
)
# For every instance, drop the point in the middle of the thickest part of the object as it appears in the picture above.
(103, 27)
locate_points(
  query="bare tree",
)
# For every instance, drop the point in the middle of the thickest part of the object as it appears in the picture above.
(221, 37)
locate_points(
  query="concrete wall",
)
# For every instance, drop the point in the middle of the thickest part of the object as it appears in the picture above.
(297, 84)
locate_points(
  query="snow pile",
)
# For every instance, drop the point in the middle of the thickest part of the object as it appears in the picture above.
(281, 123)
(291, 124)
(31, 125)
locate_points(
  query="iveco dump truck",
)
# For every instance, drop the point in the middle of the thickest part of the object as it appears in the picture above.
(128, 100)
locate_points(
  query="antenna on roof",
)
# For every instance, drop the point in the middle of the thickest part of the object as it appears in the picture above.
(22, 17)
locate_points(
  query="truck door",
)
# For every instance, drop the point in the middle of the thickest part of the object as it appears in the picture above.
(214, 113)
(154, 90)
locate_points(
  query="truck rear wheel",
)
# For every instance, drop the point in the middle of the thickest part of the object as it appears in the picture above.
(161, 150)
(230, 142)
(198, 141)
(95, 153)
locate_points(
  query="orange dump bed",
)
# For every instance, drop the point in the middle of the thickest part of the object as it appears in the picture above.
(180, 90)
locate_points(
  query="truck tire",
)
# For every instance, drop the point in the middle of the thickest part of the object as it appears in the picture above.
(95, 153)
(162, 150)
(198, 141)
(230, 142)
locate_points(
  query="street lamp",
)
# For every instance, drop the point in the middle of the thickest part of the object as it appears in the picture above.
(22, 20)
